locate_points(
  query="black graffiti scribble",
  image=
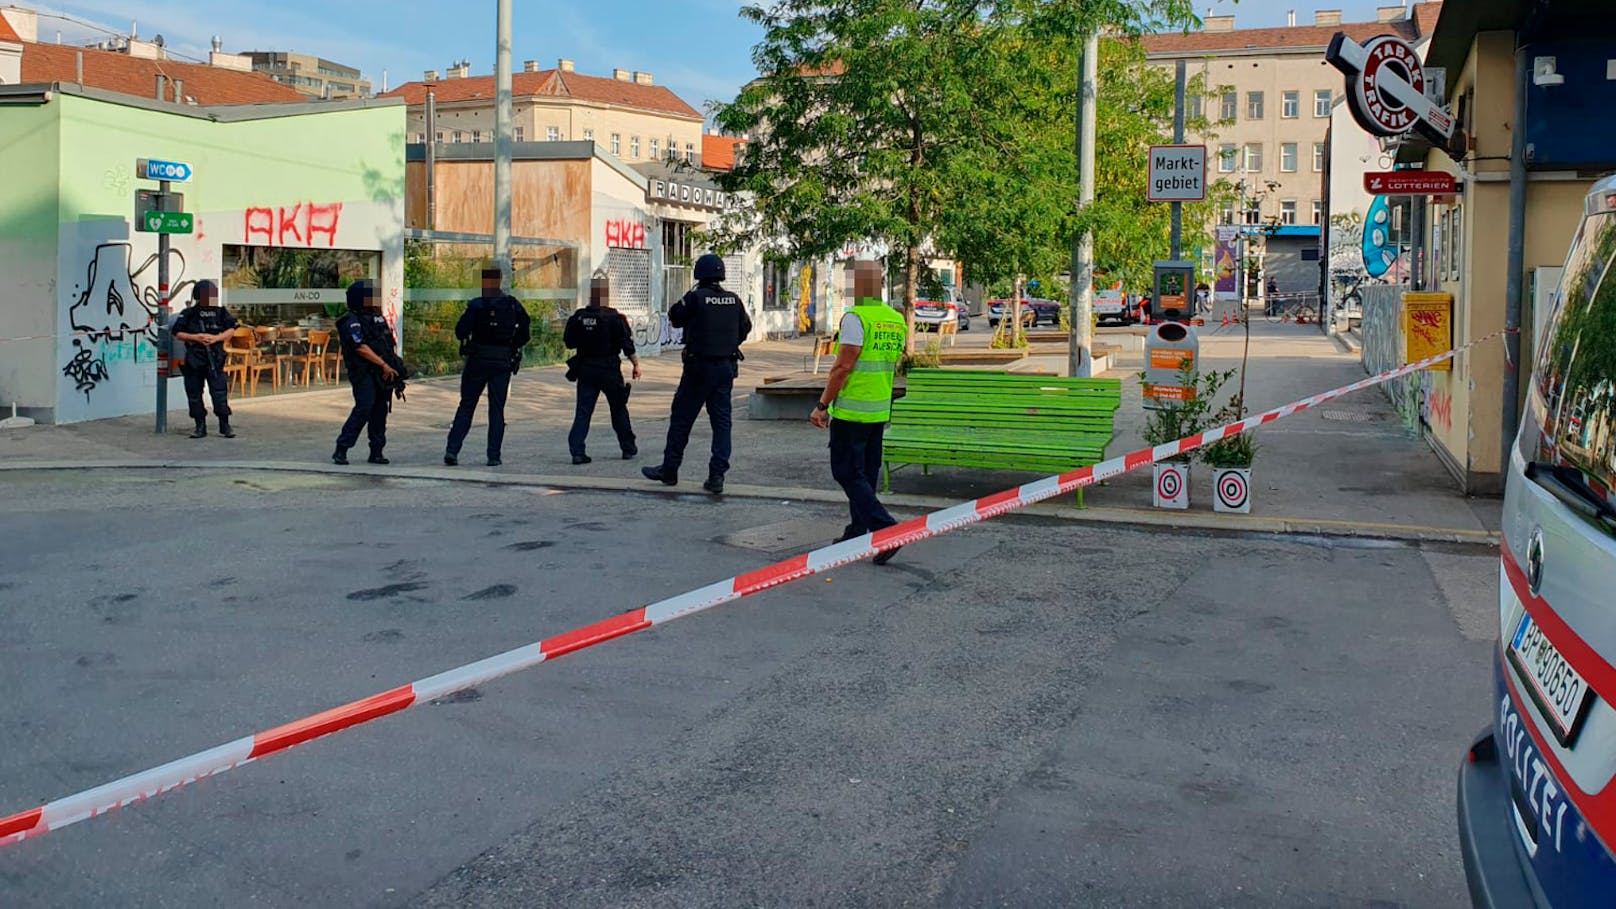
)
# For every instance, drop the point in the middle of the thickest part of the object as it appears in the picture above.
(86, 369)
(102, 311)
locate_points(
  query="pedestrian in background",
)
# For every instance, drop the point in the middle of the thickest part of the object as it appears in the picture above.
(599, 333)
(857, 402)
(375, 372)
(715, 324)
(204, 327)
(492, 332)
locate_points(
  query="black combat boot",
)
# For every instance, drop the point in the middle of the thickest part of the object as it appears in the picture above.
(201, 430)
(224, 428)
(376, 457)
(340, 456)
(661, 474)
(714, 484)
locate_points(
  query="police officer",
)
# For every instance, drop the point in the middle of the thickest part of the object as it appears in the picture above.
(374, 371)
(715, 324)
(492, 333)
(857, 402)
(203, 328)
(598, 332)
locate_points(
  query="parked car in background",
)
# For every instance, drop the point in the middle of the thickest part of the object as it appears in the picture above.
(1113, 306)
(930, 315)
(1536, 825)
(1034, 312)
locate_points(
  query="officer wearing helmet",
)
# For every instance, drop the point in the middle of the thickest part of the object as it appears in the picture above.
(374, 370)
(204, 327)
(715, 324)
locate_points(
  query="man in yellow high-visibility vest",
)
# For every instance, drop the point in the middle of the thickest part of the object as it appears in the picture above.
(857, 401)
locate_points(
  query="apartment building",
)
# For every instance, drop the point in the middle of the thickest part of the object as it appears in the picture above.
(313, 77)
(628, 115)
(1272, 96)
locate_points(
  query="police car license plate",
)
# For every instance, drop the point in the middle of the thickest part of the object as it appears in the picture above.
(1561, 694)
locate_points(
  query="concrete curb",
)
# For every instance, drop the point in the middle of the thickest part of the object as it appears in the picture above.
(1126, 517)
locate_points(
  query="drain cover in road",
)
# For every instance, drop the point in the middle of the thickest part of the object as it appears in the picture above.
(783, 536)
(1349, 416)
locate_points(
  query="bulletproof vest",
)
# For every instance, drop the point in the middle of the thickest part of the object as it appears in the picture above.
(496, 323)
(713, 322)
(201, 320)
(372, 331)
(598, 328)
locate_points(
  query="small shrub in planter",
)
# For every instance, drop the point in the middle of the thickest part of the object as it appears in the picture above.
(1178, 421)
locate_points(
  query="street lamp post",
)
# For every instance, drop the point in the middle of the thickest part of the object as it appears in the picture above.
(502, 138)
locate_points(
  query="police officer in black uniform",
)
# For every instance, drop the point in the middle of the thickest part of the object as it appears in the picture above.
(715, 324)
(374, 371)
(598, 333)
(492, 333)
(203, 328)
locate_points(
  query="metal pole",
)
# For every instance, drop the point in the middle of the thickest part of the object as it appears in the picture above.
(1514, 280)
(502, 139)
(1081, 354)
(162, 315)
(431, 160)
(1178, 139)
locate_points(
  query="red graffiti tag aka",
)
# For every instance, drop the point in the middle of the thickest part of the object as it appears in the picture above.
(1441, 406)
(625, 234)
(295, 225)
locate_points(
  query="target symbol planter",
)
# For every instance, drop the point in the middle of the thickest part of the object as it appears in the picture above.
(1172, 487)
(1231, 490)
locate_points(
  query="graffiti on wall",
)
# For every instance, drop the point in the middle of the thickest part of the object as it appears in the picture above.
(114, 311)
(292, 225)
(625, 233)
(1439, 406)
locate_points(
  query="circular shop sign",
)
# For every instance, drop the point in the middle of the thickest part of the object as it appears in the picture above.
(1375, 108)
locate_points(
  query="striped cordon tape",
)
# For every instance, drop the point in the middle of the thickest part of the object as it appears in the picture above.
(175, 774)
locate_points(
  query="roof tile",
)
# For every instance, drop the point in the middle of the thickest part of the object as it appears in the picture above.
(553, 83)
(1299, 36)
(115, 72)
(718, 152)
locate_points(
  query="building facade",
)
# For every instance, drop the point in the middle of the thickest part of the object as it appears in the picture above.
(312, 77)
(628, 115)
(77, 314)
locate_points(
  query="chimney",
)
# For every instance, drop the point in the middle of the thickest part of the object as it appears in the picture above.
(179, 91)
(1327, 17)
(78, 68)
(162, 87)
(1389, 13)
(643, 78)
(1290, 18)
(430, 75)
(565, 65)
(530, 66)
(1212, 24)
(622, 75)
(460, 70)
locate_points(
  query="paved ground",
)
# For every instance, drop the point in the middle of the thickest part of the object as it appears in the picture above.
(1350, 463)
(1020, 714)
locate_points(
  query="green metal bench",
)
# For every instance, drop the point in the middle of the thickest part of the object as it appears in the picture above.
(1000, 421)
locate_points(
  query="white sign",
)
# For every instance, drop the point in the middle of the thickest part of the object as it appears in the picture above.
(1177, 173)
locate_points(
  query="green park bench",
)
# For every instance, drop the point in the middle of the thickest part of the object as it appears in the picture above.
(1000, 421)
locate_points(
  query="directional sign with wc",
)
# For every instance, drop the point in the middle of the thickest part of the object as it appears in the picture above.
(155, 169)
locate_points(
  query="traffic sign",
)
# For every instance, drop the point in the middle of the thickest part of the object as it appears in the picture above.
(154, 169)
(1177, 173)
(165, 222)
(1410, 183)
(1386, 89)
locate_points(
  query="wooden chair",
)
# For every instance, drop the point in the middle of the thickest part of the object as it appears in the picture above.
(824, 345)
(238, 350)
(314, 359)
(286, 340)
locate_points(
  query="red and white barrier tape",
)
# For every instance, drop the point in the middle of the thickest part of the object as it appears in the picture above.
(147, 784)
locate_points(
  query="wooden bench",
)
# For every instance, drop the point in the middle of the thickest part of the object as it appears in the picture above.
(1000, 421)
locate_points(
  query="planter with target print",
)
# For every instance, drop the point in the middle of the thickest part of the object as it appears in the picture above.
(1231, 490)
(1172, 487)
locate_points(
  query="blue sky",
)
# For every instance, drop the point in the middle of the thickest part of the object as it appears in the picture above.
(701, 49)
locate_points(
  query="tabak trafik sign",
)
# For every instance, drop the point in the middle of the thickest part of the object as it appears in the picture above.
(1386, 88)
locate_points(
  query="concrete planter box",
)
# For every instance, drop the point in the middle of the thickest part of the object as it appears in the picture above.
(1231, 490)
(1172, 486)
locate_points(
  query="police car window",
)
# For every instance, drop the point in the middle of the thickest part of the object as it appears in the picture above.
(1573, 408)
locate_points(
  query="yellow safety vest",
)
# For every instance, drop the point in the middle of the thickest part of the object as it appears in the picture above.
(867, 396)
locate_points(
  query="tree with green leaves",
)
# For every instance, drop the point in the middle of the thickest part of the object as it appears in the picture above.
(871, 115)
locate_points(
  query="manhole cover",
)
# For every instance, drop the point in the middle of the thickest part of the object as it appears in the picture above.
(783, 536)
(1349, 416)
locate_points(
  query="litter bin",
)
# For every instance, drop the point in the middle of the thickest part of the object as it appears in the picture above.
(1169, 348)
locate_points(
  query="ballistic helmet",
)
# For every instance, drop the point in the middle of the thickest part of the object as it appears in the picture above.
(204, 288)
(709, 268)
(360, 292)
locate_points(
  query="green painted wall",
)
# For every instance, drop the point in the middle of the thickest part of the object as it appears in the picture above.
(29, 156)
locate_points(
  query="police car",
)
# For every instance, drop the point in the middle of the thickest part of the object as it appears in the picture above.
(1537, 798)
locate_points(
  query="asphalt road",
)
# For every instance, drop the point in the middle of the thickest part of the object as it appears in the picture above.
(1018, 714)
